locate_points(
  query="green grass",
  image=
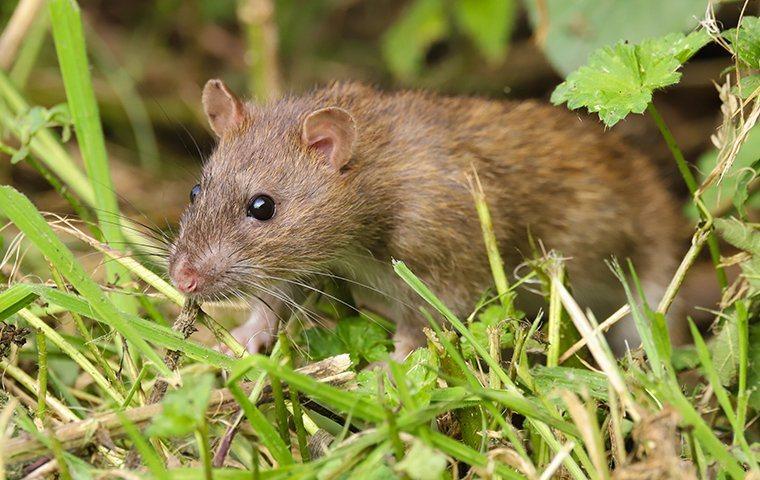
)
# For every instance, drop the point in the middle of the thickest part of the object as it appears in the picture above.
(464, 403)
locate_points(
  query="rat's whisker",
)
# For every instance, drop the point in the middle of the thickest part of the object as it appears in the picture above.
(348, 280)
(322, 292)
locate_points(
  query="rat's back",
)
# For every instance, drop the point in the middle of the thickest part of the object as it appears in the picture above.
(548, 175)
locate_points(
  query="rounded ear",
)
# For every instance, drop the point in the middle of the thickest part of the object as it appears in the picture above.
(225, 111)
(330, 131)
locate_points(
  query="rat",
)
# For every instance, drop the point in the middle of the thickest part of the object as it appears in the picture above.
(339, 181)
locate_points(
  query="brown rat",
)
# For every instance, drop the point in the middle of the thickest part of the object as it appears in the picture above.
(343, 179)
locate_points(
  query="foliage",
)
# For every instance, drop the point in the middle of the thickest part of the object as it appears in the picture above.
(361, 337)
(621, 79)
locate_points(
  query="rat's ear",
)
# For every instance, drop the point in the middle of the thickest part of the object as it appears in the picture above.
(332, 132)
(223, 109)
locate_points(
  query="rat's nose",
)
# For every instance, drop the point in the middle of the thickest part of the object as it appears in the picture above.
(186, 278)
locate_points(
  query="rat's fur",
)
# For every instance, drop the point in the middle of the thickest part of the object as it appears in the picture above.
(403, 194)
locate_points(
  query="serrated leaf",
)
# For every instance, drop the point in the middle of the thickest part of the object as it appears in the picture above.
(746, 41)
(422, 462)
(739, 234)
(362, 338)
(184, 409)
(576, 28)
(406, 41)
(488, 23)
(620, 79)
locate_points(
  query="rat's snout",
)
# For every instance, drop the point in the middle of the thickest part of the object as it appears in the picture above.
(187, 280)
(186, 277)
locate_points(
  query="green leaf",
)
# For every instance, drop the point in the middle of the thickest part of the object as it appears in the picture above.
(406, 41)
(361, 337)
(364, 339)
(620, 79)
(740, 235)
(724, 351)
(184, 410)
(746, 41)
(488, 22)
(576, 28)
(422, 462)
(25, 216)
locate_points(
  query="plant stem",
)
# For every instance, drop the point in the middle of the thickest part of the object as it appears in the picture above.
(492, 246)
(135, 387)
(261, 33)
(742, 395)
(201, 436)
(691, 183)
(42, 374)
(555, 321)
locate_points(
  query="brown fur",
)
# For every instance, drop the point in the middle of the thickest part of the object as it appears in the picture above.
(404, 195)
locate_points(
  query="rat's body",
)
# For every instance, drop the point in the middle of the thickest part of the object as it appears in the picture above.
(360, 177)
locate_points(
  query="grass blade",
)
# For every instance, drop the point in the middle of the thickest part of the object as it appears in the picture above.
(15, 298)
(68, 36)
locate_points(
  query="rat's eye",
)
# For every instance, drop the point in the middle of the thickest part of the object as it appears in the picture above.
(194, 192)
(261, 208)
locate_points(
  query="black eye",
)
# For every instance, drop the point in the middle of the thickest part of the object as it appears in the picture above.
(194, 192)
(261, 208)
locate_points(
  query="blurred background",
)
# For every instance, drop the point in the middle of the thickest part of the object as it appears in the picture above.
(150, 60)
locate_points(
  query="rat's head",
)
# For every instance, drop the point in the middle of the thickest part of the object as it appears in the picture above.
(275, 200)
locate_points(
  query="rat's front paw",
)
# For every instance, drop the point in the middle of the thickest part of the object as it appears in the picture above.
(257, 334)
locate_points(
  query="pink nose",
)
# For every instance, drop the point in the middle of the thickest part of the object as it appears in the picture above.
(186, 279)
